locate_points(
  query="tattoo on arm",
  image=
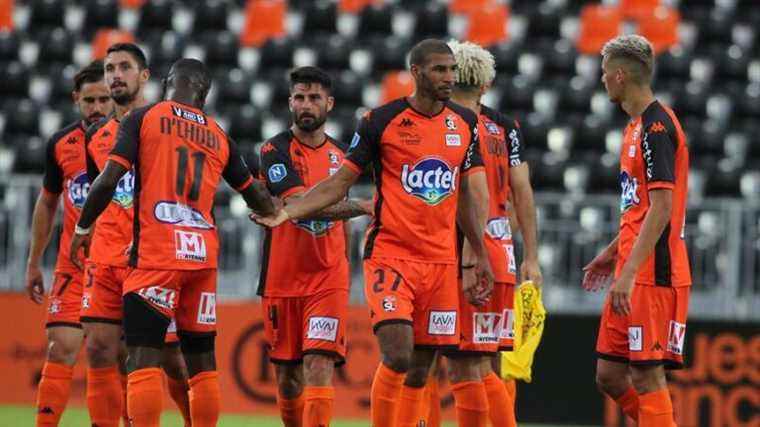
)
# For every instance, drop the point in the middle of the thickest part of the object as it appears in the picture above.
(342, 210)
(258, 199)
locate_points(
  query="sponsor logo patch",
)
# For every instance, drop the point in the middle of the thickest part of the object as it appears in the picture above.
(172, 327)
(85, 301)
(78, 189)
(189, 115)
(431, 180)
(322, 328)
(486, 328)
(635, 338)
(55, 306)
(178, 214)
(629, 187)
(189, 246)
(514, 148)
(207, 309)
(507, 325)
(453, 140)
(499, 229)
(492, 128)
(315, 227)
(159, 296)
(277, 172)
(676, 337)
(124, 194)
(442, 323)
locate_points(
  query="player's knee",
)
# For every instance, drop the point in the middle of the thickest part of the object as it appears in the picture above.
(647, 379)
(289, 382)
(416, 377)
(318, 369)
(198, 351)
(62, 351)
(173, 363)
(610, 383)
(462, 369)
(101, 351)
(398, 361)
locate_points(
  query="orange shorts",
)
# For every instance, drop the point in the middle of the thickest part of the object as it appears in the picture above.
(314, 324)
(188, 296)
(652, 334)
(488, 328)
(101, 300)
(65, 300)
(422, 295)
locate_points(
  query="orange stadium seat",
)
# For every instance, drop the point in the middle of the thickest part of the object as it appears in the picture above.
(467, 6)
(598, 24)
(635, 9)
(396, 84)
(661, 28)
(264, 19)
(488, 25)
(6, 14)
(131, 4)
(106, 37)
(356, 6)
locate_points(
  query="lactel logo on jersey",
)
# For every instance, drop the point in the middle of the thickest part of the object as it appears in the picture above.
(322, 328)
(78, 189)
(179, 214)
(277, 172)
(432, 180)
(315, 227)
(442, 323)
(189, 246)
(125, 191)
(629, 187)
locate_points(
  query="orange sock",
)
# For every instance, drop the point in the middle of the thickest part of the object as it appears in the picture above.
(656, 409)
(145, 392)
(178, 390)
(205, 399)
(104, 396)
(511, 387)
(629, 401)
(410, 406)
(317, 411)
(501, 405)
(433, 402)
(291, 410)
(124, 415)
(53, 393)
(471, 403)
(384, 397)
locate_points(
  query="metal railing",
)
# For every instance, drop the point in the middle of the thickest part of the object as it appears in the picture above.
(723, 236)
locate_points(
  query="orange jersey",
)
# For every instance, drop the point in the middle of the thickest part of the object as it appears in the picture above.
(113, 230)
(65, 172)
(179, 155)
(418, 163)
(654, 155)
(501, 146)
(288, 166)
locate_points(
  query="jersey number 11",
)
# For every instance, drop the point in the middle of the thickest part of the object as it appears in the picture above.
(199, 158)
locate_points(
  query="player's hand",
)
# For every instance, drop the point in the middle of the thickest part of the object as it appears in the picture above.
(79, 241)
(480, 291)
(35, 285)
(620, 294)
(270, 221)
(278, 203)
(530, 270)
(368, 205)
(598, 272)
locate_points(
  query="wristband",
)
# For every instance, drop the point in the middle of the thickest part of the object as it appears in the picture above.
(467, 267)
(82, 231)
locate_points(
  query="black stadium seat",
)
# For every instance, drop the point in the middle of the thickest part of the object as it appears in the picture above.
(46, 14)
(333, 52)
(245, 125)
(10, 44)
(320, 16)
(156, 15)
(56, 47)
(21, 116)
(14, 80)
(432, 21)
(210, 15)
(375, 20)
(100, 14)
(277, 53)
(389, 53)
(221, 49)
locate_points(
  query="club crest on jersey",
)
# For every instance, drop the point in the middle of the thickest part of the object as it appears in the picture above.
(277, 172)
(178, 214)
(334, 158)
(315, 227)
(189, 115)
(450, 122)
(431, 180)
(492, 128)
(629, 187)
(124, 194)
(78, 189)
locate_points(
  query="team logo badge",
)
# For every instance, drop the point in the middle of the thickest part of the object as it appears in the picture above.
(451, 123)
(78, 189)
(277, 172)
(431, 180)
(334, 158)
(389, 303)
(635, 338)
(629, 187)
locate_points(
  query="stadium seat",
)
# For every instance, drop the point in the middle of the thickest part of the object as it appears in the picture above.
(506, 54)
(591, 132)
(732, 63)
(156, 15)
(106, 37)
(598, 24)
(749, 185)
(356, 6)
(544, 21)
(516, 93)
(635, 9)
(47, 14)
(21, 116)
(132, 4)
(332, 51)
(264, 20)
(319, 17)
(9, 46)
(660, 27)
(235, 87)
(488, 25)
(558, 55)
(389, 53)
(6, 15)
(717, 27)
(468, 6)
(396, 84)
(14, 79)
(432, 21)
(210, 15)
(674, 64)
(221, 49)
(277, 53)
(245, 125)
(347, 88)
(375, 20)
(100, 14)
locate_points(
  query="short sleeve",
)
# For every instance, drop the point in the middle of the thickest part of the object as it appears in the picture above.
(126, 149)
(658, 149)
(236, 171)
(277, 169)
(472, 159)
(52, 182)
(363, 147)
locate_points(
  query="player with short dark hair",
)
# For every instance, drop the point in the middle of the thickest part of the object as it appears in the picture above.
(178, 155)
(422, 149)
(305, 302)
(643, 321)
(65, 173)
(106, 269)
